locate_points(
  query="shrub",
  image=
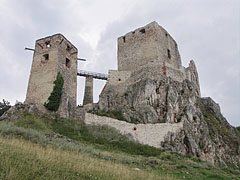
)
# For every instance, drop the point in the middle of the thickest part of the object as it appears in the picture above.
(53, 101)
(4, 106)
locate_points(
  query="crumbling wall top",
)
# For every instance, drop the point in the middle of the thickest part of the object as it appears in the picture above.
(54, 41)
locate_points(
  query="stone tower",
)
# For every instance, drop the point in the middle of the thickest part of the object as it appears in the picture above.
(151, 47)
(88, 94)
(53, 54)
(148, 45)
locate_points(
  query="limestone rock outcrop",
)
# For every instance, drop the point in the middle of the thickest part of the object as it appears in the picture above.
(152, 86)
(149, 97)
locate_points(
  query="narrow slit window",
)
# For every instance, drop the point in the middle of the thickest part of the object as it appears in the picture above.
(169, 54)
(124, 39)
(46, 57)
(68, 63)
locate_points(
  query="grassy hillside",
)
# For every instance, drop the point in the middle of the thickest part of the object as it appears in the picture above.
(24, 160)
(95, 152)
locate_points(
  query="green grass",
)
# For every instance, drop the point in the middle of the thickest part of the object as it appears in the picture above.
(100, 144)
(102, 136)
(23, 160)
(215, 127)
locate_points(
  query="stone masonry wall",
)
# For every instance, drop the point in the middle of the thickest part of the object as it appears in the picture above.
(117, 77)
(150, 134)
(150, 44)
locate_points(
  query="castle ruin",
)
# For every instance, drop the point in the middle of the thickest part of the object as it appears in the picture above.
(53, 54)
(151, 46)
(157, 99)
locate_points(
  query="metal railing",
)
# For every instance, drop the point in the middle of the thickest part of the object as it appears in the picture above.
(92, 74)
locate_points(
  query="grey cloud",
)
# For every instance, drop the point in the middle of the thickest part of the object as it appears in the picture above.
(206, 31)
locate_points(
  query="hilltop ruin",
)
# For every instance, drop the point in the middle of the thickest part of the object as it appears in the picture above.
(159, 99)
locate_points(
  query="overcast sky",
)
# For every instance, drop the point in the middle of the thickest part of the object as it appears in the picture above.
(205, 30)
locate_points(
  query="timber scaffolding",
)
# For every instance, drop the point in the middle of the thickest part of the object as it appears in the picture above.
(92, 74)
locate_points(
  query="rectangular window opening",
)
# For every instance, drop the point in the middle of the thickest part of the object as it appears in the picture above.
(46, 57)
(68, 63)
(124, 39)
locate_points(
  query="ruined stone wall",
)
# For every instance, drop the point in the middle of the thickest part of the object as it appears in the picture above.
(147, 45)
(150, 134)
(53, 54)
(192, 75)
(177, 74)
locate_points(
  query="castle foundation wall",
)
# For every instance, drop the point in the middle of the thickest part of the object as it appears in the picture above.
(149, 134)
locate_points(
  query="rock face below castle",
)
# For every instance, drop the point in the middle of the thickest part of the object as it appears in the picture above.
(151, 86)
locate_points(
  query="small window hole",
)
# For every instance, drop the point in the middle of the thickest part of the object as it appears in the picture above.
(119, 79)
(134, 128)
(67, 62)
(48, 45)
(124, 39)
(68, 48)
(46, 57)
(142, 30)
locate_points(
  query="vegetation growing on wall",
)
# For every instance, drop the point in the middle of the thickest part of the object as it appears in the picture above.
(53, 101)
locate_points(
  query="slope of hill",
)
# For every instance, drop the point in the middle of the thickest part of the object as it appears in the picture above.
(40, 146)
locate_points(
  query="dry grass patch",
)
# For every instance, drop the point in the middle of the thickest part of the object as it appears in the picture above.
(19, 158)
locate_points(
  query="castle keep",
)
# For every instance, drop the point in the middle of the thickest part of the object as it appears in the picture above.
(53, 54)
(151, 46)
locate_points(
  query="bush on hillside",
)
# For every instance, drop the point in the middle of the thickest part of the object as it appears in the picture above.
(4, 106)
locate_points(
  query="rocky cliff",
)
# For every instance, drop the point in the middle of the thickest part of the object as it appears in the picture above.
(150, 97)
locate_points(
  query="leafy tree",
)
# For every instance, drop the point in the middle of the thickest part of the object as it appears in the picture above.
(4, 106)
(53, 101)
